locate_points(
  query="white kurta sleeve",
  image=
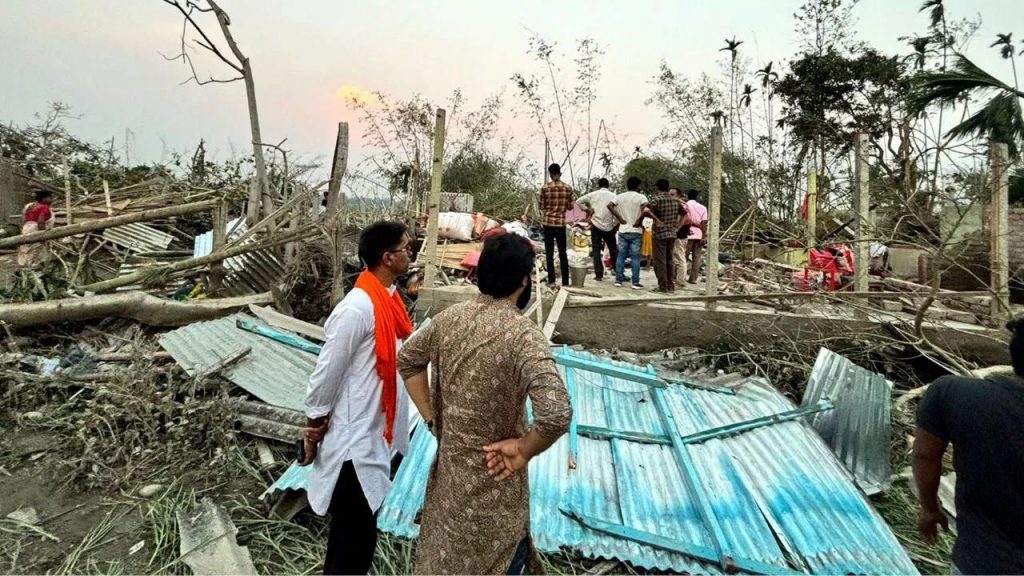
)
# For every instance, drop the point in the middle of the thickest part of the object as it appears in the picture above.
(345, 330)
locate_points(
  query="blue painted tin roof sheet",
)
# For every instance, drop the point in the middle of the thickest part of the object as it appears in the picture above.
(778, 494)
(859, 429)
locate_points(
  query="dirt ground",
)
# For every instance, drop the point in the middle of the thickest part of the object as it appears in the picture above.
(105, 524)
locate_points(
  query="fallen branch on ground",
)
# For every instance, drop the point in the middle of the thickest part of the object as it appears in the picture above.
(133, 305)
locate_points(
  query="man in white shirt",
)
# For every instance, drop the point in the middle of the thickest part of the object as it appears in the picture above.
(879, 263)
(697, 219)
(603, 224)
(628, 208)
(356, 404)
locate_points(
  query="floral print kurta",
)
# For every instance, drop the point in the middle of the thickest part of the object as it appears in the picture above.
(486, 359)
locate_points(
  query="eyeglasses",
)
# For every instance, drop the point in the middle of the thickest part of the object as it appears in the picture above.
(407, 249)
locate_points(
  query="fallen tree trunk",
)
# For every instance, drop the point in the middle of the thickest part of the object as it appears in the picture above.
(93, 225)
(132, 305)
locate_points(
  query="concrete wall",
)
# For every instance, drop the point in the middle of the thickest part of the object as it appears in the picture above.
(958, 223)
(904, 261)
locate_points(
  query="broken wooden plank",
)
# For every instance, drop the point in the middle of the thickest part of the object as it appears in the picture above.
(224, 363)
(555, 313)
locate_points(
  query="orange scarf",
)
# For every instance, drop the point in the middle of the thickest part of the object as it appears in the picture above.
(391, 322)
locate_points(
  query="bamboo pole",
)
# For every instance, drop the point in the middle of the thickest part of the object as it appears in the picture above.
(999, 227)
(433, 212)
(93, 225)
(715, 217)
(862, 212)
(67, 193)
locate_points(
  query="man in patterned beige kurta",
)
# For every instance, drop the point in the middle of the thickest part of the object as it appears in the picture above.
(486, 359)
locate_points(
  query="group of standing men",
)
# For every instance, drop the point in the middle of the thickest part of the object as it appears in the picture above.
(679, 230)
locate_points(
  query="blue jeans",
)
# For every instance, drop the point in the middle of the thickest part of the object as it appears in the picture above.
(629, 243)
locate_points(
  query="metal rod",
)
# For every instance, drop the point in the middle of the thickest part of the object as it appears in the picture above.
(754, 423)
(288, 339)
(702, 553)
(691, 478)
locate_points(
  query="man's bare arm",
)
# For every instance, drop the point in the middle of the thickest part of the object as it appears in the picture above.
(927, 465)
(614, 209)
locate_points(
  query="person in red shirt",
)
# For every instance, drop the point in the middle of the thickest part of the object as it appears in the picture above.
(36, 217)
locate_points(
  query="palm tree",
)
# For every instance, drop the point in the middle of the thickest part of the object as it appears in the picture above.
(733, 47)
(1005, 44)
(938, 11)
(1000, 118)
(768, 78)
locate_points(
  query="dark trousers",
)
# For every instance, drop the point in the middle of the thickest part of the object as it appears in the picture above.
(693, 251)
(598, 238)
(353, 533)
(664, 268)
(553, 235)
(518, 564)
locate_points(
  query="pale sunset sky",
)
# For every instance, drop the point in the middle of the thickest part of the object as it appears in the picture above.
(102, 57)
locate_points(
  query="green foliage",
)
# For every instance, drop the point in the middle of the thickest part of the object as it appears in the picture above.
(693, 173)
(1000, 118)
(1017, 186)
(492, 180)
(828, 97)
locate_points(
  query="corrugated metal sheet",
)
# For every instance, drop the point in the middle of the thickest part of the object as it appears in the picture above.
(138, 237)
(272, 372)
(777, 494)
(247, 273)
(859, 429)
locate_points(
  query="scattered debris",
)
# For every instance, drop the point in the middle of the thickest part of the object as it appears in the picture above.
(208, 542)
(26, 515)
(150, 490)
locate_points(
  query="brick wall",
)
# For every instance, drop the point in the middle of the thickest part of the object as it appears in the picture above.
(1016, 240)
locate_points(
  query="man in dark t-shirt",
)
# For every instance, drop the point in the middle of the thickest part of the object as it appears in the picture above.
(982, 419)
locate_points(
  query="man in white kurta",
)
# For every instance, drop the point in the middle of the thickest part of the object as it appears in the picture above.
(352, 459)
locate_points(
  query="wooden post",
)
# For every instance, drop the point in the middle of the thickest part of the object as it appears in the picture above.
(862, 213)
(338, 167)
(220, 225)
(433, 212)
(68, 220)
(106, 198)
(715, 216)
(335, 201)
(812, 206)
(999, 227)
(220, 233)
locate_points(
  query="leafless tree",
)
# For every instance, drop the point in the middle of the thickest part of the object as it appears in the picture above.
(239, 63)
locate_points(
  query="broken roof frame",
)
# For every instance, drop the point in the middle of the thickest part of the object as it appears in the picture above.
(761, 491)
